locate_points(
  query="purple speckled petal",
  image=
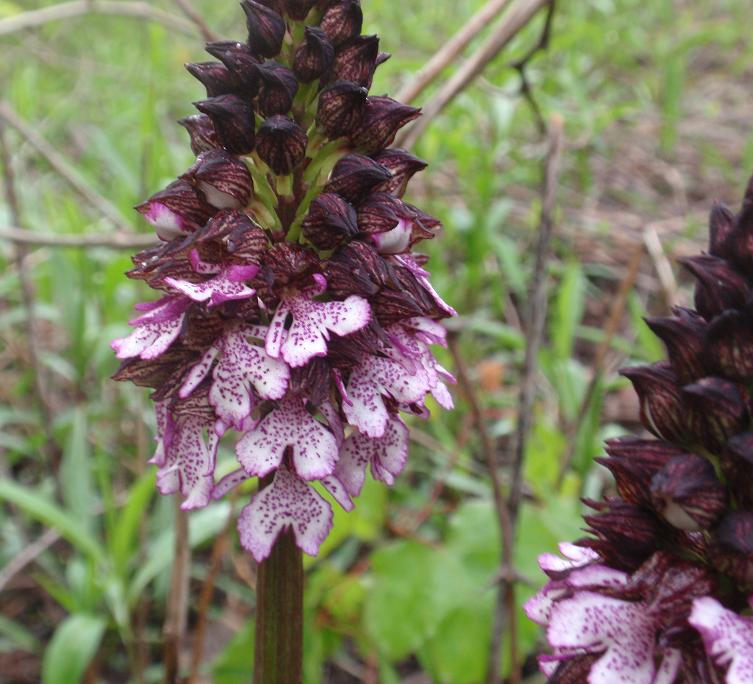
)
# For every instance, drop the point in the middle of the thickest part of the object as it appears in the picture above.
(198, 372)
(574, 557)
(229, 482)
(727, 636)
(625, 631)
(244, 366)
(330, 413)
(374, 377)
(288, 501)
(387, 456)
(314, 447)
(226, 286)
(165, 428)
(539, 607)
(337, 489)
(276, 331)
(155, 331)
(189, 462)
(670, 666)
(312, 324)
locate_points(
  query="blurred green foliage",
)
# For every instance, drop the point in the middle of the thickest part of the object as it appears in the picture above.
(406, 581)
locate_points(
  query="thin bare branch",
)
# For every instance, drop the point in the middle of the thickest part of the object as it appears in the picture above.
(177, 602)
(118, 240)
(450, 50)
(661, 264)
(490, 457)
(535, 319)
(28, 555)
(189, 10)
(63, 167)
(77, 8)
(514, 19)
(27, 299)
(613, 322)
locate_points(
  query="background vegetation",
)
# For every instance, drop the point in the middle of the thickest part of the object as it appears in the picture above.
(655, 95)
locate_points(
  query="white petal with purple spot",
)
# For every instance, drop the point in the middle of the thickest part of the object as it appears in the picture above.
(314, 448)
(226, 286)
(287, 502)
(155, 331)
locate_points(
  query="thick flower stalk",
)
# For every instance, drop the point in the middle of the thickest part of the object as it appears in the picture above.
(660, 591)
(292, 315)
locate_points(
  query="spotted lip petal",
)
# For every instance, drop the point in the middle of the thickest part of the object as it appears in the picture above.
(287, 502)
(242, 368)
(314, 448)
(226, 286)
(375, 378)
(187, 460)
(155, 330)
(311, 327)
(387, 456)
(728, 638)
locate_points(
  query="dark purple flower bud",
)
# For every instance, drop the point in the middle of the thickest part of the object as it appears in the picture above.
(266, 28)
(662, 408)
(722, 407)
(357, 60)
(314, 57)
(286, 263)
(687, 493)
(633, 462)
(383, 117)
(281, 143)
(330, 221)
(574, 670)
(166, 372)
(737, 462)
(732, 546)
(311, 381)
(719, 286)
(223, 178)
(682, 335)
(626, 535)
(721, 225)
(380, 213)
(176, 209)
(215, 77)
(357, 268)
(345, 353)
(279, 86)
(341, 108)
(298, 9)
(342, 21)
(201, 130)
(728, 345)
(356, 175)
(233, 120)
(402, 166)
(240, 235)
(241, 62)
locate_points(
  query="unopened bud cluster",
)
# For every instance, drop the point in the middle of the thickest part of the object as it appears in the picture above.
(292, 309)
(660, 590)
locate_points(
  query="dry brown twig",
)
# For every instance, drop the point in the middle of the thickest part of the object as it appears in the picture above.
(518, 15)
(535, 320)
(189, 10)
(661, 264)
(62, 167)
(450, 50)
(77, 8)
(119, 240)
(177, 601)
(492, 466)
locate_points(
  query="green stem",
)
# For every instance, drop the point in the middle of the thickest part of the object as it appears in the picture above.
(279, 615)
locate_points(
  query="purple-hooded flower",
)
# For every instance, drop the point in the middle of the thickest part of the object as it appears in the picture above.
(680, 534)
(292, 310)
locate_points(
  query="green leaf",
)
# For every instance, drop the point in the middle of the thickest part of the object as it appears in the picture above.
(72, 648)
(568, 310)
(51, 515)
(235, 664)
(75, 472)
(19, 637)
(124, 535)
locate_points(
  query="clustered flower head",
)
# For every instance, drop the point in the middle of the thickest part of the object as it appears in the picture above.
(661, 590)
(292, 310)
